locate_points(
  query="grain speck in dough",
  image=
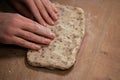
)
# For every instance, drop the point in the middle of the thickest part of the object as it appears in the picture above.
(61, 53)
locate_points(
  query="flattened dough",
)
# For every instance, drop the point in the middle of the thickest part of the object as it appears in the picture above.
(61, 53)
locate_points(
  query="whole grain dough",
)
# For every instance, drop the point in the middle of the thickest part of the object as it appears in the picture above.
(61, 53)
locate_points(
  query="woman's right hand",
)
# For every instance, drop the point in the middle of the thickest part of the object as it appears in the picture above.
(18, 30)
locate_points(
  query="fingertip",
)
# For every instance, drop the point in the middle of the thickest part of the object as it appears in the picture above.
(52, 35)
(52, 23)
(47, 41)
(36, 47)
(43, 23)
(55, 9)
(55, 17)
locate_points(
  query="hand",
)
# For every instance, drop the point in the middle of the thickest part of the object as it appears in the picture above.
(43, 10)
(18, 30)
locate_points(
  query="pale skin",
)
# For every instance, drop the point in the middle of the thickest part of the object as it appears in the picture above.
(22, 31)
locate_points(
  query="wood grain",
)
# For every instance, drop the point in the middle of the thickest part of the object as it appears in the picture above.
(99, 55)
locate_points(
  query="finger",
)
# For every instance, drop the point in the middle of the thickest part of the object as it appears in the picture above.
(54, 8)
(33, 37)
(49, 8)
(36, 28)
(26, 44)
(36, 12)
(43, 12)
(22, 9)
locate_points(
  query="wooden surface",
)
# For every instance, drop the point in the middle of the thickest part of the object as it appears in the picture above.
(98, 58)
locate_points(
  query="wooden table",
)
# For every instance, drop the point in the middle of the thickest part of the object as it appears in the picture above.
(99, 55)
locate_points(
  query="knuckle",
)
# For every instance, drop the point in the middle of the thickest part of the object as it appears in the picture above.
(28, 44)
(40, 19)
(20, 42)
(29, 36)
(23, 42)
(47, 16)
(10, 31)
(17, 15)
(31, 45)
(35, 28)
(43, 40)
(15, 19)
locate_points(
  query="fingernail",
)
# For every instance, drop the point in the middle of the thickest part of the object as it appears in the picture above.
(47, 41)
(56, 17)
(52, 22)
(37, 47)
(56, 10)
(52, 34)
(44, 24)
